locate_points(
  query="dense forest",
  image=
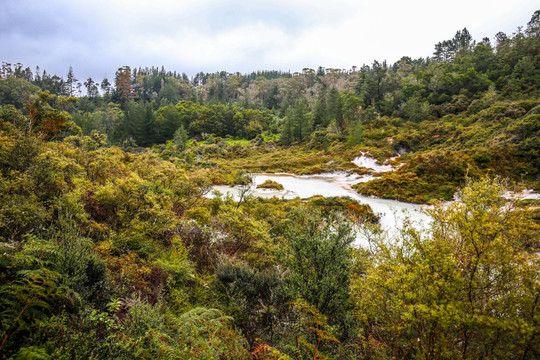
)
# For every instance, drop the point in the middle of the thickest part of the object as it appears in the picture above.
(112, 248)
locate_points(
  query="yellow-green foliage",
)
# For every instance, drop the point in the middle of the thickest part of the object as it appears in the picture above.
(276, 158)
(273, 158)
(499, 138)
(115, 254)
(432, 175)
(270, 184)
(466, 289)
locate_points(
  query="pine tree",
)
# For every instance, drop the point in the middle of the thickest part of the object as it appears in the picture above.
(71, 82)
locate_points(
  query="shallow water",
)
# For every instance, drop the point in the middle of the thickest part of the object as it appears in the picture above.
(391, 212)
(371, 164)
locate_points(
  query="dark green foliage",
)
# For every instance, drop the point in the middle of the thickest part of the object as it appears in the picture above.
(320, 114)
(271, 98)
(297, 124)
(15, 91)
(334, 106)
(256, 300)
(90, 334)
(135, 329)
(320, 260)
(30, 290)
(81, 268)
(139, 124)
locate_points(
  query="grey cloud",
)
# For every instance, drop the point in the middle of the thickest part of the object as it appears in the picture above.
(96, 37)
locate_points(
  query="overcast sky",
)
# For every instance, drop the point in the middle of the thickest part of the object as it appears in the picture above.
(97, 37)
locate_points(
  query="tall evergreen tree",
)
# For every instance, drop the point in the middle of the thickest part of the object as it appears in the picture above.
(335, 107)
(320, 114)
(71, 82)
